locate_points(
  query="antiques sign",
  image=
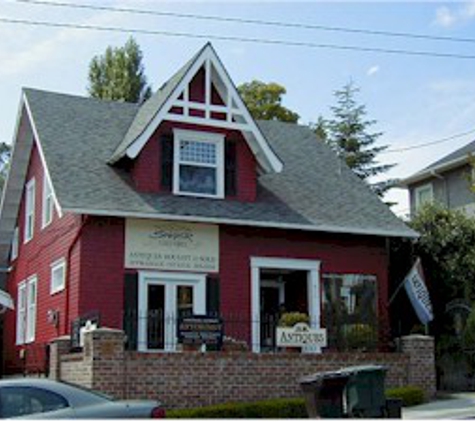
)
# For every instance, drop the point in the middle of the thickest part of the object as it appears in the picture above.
(301, 335)
(200, 329)
(169, 245)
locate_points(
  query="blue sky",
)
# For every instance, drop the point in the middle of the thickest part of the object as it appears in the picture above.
(413, 99)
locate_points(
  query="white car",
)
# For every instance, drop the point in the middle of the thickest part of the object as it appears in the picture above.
(38, 398)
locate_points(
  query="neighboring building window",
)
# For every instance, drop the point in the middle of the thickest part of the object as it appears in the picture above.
(58, 276)
(26, 311)
(198, 164)
(14, 253)
(350, 311)
(422, 195)
(47, 203)
(30, 210)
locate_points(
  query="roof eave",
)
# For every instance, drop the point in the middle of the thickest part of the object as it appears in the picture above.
(432, 171)
(408, 233)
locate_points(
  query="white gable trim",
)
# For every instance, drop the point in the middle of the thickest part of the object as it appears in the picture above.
(257, 142)
(42, 156)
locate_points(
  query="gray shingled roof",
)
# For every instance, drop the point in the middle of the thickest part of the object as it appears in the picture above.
(315, 191)
(461, 153)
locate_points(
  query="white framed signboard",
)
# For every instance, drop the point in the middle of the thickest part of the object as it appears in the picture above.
(170, 245)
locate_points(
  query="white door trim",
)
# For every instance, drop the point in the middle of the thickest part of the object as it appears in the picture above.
(170, 281)
(313, 291)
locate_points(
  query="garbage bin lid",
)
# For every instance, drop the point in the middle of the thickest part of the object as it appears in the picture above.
(351, 370)
(321, 376)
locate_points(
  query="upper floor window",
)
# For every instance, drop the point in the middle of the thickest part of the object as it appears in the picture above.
(14, 252)
(47, 214)
(198, 164)
(58, 276)
(422, 195)
(29, 210)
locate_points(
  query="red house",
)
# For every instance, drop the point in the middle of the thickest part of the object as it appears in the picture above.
(133, 215)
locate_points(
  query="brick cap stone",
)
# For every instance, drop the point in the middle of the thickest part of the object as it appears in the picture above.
(61, 339)
(417, 337)
(106, 330)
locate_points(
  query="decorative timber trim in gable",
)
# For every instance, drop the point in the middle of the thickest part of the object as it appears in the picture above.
(229, 113)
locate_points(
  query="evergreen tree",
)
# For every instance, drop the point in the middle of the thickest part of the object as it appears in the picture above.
(348, 134)
(118, 75)
(264, 101)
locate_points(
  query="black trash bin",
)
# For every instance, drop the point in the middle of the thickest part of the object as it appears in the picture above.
(365, 391)
(355, 392)
(324, 394)
(394, 408)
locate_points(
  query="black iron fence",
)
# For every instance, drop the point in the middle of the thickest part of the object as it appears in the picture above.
(157, 330)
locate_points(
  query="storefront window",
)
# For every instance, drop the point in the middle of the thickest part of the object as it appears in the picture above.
(350, 311)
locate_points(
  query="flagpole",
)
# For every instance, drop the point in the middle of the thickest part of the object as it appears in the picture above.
(396, 292)
(400, 285)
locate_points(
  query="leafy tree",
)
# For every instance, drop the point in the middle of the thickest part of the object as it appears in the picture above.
(5, 155)
(118, 75)
(446, 249)
(348, 134)
(264, 101)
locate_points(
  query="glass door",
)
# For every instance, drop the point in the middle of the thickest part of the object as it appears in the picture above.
(164, 299)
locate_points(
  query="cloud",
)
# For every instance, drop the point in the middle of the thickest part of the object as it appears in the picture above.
(372, 70)
(447, 18)
(444, 17)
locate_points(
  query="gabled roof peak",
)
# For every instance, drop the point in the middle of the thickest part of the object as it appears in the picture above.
(174, 101)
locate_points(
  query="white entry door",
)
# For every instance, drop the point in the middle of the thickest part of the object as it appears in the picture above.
(163, 298)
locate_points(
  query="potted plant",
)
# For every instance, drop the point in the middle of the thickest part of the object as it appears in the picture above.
(289, 319)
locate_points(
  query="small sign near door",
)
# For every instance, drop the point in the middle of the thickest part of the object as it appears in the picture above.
(301, 335)
(200, 329)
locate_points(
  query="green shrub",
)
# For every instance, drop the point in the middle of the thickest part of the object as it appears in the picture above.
(410, 395)
(267, 409)
(289, 319)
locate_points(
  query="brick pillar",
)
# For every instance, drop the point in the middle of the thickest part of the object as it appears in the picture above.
(421, 370)
(58, 347)
(104, 351)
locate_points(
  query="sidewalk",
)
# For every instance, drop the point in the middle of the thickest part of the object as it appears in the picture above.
(458, 406)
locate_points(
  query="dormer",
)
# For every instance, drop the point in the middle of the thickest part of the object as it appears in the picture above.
(195, 137)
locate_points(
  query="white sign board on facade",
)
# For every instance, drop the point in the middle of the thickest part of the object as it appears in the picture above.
(301, 335)
(170, 245)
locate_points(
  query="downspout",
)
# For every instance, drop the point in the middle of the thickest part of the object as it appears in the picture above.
(68, 271)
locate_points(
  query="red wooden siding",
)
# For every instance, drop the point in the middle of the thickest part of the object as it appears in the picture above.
(103, 263)
(147, 166)
(146, 170)
(34, 258)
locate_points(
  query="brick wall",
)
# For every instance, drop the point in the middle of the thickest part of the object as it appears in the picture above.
(192, 379)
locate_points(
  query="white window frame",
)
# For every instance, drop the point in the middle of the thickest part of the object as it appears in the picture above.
(21, 313)
(48, 204)
(204, 137)
(170, 281)
(26, 310)
(313, 291)
(417, 192)
(30, 194)
(58, 265)
(31, 304)
(15, 239)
